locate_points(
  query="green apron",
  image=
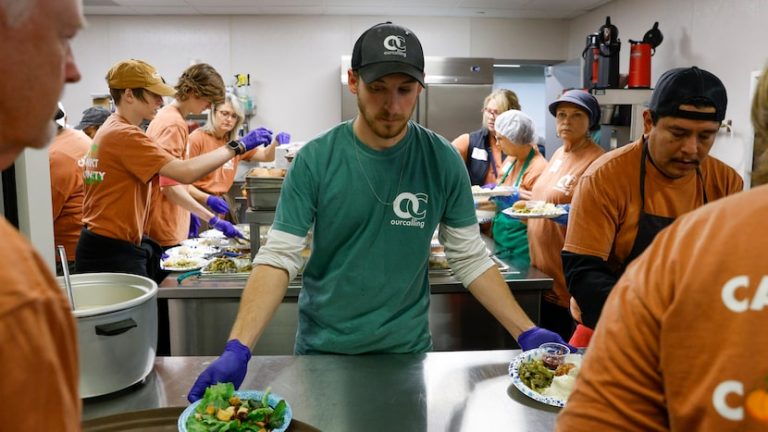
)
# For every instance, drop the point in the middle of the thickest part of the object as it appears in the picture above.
(511, 235)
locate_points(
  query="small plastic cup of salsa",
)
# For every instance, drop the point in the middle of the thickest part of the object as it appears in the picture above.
(553, 354)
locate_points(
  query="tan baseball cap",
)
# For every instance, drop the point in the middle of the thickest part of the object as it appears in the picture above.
(134, 73)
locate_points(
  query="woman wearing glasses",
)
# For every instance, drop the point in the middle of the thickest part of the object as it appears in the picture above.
(224, 121)
(481, 153)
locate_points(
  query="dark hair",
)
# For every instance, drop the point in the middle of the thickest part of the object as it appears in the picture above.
(117, 94)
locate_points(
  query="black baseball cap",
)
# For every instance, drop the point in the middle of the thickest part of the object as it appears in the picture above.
(93, 116)
(690, 86)
(387, 49)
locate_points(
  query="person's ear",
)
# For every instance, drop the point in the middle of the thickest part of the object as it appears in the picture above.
(647, 122)
(353, 81)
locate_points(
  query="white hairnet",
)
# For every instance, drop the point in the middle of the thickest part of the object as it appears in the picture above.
(516, 126)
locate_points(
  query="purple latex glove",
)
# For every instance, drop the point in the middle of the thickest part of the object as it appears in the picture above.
(194, 226)
(217, 204)
(533, 338)
(489, 186)
(256, 137)
(231, 366)
(283, 138)
(505, 201)
(563, 219)
(227, 228)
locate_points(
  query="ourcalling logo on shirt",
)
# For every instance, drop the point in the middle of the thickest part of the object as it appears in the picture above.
(410, 209)
(90, 164)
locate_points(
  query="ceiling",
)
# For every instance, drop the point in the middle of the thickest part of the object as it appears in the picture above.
(544, 9)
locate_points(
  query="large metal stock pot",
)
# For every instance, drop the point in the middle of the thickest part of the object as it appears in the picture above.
(117, 330)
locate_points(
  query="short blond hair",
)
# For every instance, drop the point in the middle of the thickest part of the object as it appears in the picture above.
(210, 126)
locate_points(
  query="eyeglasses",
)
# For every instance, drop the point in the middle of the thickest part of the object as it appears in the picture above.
(491, 112)
(227, 114)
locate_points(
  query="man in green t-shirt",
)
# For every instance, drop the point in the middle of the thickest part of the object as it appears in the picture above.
(373, 190)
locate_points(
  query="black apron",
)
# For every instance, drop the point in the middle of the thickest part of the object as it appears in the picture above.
(96, 253)
(648, 225)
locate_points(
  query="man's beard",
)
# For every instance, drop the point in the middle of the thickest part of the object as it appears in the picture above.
(379, 129)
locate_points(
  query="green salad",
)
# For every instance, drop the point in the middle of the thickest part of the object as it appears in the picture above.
(221, 410)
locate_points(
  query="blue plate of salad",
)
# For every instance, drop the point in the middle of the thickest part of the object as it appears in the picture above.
(223, 408)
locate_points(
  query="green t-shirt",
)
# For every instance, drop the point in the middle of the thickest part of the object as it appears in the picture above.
(373, 213)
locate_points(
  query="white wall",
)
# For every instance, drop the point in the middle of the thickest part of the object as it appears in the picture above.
(293, 60)
(528, 83)
(725, 37)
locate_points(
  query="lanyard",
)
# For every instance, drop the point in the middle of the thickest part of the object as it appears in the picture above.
(522, 170)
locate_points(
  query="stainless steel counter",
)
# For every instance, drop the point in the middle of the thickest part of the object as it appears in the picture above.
(201, 312)
(438, 391)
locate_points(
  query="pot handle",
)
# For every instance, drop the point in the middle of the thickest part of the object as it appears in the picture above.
(115, 328)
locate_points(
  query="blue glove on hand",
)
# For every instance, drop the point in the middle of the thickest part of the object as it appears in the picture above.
(194, 226)
(257, 137)
(505, 201)
(217, 204)
(283, 138)
(227, 228)
(488, 186)
(533, 338)
(563, 219)
(231, 366)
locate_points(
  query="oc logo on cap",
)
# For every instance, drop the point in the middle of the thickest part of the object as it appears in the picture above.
(395, 43)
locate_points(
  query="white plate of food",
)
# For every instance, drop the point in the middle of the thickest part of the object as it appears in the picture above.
(533, 210)
(534, 379)
(199, 251)
(201, 242)
(478, 191)
(211, 233)
(226, 266)
(183, 263)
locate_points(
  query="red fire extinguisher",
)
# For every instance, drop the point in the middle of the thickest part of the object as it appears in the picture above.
(640, 53)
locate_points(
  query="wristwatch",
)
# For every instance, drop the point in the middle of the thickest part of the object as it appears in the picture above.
(237, 146)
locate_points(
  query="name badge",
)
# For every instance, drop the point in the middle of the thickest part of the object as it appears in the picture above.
(479, 154)
(506, 166)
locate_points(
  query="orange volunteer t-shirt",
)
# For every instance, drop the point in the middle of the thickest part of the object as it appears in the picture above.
(220, 180)
(606, 207)
(168, 223)
(118, 174)
(64, 159)
(681, 344)
(537, 166)
(545, 238)
(38, 336)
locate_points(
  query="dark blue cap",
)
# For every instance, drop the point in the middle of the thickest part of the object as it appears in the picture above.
(584, 100)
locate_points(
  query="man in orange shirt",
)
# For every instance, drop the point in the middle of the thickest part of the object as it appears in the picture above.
(93, 118)
(630, 194)
(64, 159)
(681, 344)
(124, 164)
(38, 334)
(199, 88)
